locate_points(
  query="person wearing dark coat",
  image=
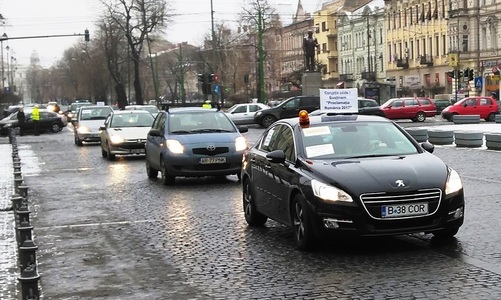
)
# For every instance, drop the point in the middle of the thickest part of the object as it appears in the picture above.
(21, 118)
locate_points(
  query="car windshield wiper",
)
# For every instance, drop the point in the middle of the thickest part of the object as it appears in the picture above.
(369, 155)
(210, 130)
(181, 131)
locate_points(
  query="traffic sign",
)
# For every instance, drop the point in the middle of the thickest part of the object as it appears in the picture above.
(215, 89)
(478, 82)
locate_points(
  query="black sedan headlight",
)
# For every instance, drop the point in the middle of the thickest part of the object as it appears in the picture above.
(329, 193)
(453, 183)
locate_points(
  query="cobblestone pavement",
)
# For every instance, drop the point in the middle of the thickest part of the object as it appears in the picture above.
(107, 232)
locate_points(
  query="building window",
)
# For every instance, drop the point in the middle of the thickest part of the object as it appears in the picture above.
(465, 43)
(411, 49)
(484, 39)
(410, 16)
(390, 57)
(405, 18)
(437, 46)
(444, 48)
(324, 26)
(324, 47)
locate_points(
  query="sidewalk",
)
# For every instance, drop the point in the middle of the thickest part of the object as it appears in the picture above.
(8, 249)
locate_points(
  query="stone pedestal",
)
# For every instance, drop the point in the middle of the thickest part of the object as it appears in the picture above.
(312, 82)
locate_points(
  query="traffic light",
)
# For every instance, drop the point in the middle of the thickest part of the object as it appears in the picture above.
(87, 36)
(213, 78)
(470, 74)
(459, 74)
(201, 78)
(466, 72)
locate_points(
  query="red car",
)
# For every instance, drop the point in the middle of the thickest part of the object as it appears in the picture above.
(484, 106)
(416, 109)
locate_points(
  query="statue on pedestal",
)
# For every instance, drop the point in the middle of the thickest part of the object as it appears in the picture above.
(310, 45)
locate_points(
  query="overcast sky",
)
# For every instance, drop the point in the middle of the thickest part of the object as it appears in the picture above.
(28, 18)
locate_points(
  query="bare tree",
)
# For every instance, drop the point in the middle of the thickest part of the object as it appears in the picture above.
(115, 48)
(137, 19)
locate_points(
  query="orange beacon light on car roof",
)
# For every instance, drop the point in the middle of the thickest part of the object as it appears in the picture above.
(304, 119)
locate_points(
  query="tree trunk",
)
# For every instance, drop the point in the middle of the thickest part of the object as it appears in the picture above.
(121, 95)
(137, 83)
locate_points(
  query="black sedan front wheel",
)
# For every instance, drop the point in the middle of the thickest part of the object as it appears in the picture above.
(268, 120)
(303, 231)
(252, 216)
(56, 128)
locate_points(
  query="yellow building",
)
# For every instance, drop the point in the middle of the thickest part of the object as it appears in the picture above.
(326, 34)
(417, 49)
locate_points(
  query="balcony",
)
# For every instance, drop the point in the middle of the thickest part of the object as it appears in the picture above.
(403, 63)
(345, 77)
(370, 76)
(426, 60)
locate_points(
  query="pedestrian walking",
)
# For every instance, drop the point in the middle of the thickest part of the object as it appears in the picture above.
(21, 118)
(35, 116)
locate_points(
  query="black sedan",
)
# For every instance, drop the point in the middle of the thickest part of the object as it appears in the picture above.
(349, 174)
(49, 121)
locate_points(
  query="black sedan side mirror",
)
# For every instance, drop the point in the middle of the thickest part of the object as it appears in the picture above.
(277, 156)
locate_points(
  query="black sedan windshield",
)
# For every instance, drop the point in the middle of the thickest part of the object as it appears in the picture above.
(342, 140)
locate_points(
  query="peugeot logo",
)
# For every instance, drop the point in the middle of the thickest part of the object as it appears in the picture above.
(211, 148)
(399, 183)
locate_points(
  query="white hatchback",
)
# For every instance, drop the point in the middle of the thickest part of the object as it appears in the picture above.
(124, 132)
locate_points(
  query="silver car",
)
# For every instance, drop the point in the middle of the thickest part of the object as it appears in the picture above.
(87, 123)
(243, 113)
(124, 133)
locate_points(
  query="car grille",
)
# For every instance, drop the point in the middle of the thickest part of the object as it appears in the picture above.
(372, 202)
(204, 151)
(133, 144)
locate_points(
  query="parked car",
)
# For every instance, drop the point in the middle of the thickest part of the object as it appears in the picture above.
(417, 109)
(349, 174)
(440, 104)
(484, 106)
(124, 133)
(87, 122)
(193, 142)
(243, 113)
(149, 108)
(49, 121)
(287, 109)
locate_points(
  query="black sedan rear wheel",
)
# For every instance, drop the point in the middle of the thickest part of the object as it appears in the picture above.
(252, 216)
(303, 231)
(56, 128)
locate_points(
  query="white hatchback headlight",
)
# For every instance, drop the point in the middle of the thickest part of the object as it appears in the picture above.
(240, 144)
(175, 146)
(83, 129)
(453, 183)
(328, 192)
(116, 139)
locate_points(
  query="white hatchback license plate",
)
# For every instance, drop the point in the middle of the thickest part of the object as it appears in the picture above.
(136, 151)
(213, 160)
(404, 210)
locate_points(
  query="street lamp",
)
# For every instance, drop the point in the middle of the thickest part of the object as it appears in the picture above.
(4, 37)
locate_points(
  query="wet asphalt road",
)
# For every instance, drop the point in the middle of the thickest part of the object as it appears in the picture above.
(105, 231)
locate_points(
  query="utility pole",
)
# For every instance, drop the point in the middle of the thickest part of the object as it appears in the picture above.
(368, 47)
(181, 74)
(214, 97)
(155, 85)
(261, 95)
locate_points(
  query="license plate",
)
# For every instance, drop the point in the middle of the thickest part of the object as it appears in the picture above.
(135, 151)
(213, 160)
(404, 210)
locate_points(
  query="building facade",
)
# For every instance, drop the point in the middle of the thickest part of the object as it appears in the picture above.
(417, 50)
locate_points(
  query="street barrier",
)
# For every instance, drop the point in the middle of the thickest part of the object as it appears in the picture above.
(27, 249)
(493, 141)
(440, 137)
(419, 134)
(466, 119)
(469, 139)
